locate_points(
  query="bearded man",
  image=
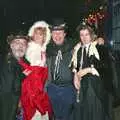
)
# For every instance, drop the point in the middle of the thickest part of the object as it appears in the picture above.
(11, 76)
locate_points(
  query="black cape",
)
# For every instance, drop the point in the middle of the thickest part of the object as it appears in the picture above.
(10, 86)
(94, 89)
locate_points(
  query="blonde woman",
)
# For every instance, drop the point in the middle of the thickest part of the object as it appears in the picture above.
(34, 99)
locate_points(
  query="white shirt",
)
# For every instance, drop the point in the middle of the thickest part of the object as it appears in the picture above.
(87, 47)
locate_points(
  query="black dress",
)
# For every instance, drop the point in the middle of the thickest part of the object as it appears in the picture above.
(93, 91)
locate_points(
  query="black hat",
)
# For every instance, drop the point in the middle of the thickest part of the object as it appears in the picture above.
(84, 25)
(14, 36)
(58, 24)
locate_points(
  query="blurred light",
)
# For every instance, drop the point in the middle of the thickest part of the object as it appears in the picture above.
(90, 15)
(23, 23)
(111, 42)
(101, 7)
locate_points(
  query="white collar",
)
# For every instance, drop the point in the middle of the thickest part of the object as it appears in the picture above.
(87, 45)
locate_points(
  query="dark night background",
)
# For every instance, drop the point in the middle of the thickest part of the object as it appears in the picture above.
(15, 12)
(16, 15)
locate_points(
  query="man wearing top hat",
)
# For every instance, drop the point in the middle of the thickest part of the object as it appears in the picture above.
(11, 76)
(60, 87)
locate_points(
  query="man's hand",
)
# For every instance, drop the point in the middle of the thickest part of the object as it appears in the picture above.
(100, 41)
(27, 72)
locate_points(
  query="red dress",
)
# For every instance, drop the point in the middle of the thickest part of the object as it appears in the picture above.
(33, 96)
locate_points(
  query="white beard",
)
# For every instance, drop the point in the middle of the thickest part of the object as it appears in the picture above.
(18, 53)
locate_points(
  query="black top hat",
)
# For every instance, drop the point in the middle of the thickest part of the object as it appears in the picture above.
(58, 24)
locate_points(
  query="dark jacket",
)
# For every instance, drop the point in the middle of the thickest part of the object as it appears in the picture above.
(60, 83)
(10, 85)
(94, 89)
(104, 66)
(64, 76)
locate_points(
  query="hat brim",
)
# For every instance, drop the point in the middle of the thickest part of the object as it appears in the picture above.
(13, 37)
(57, 28)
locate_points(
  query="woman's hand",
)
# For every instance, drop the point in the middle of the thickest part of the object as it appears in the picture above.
(94, 72)
(85, 71)
(76, 81)
(78, 76)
